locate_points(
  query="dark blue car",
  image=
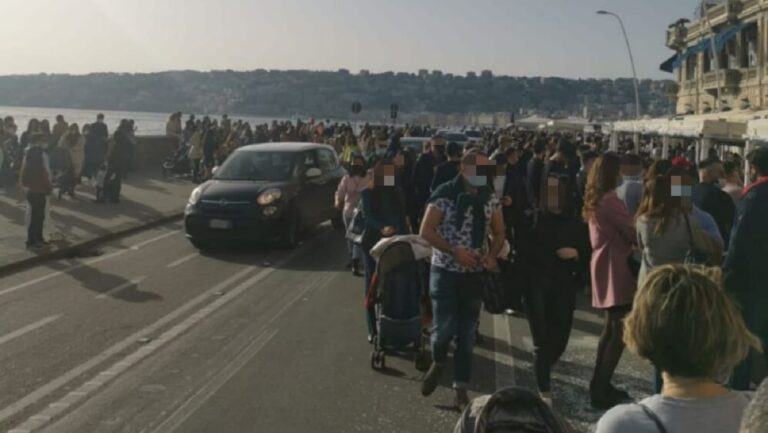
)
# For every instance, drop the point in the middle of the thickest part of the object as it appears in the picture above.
(273, 191)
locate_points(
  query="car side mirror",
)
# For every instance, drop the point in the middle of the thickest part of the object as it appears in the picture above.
(313, 173)
(214, 170)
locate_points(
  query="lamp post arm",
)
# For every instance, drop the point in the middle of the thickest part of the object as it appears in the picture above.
(632, 62)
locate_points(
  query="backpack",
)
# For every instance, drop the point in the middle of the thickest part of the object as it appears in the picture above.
(511, 410)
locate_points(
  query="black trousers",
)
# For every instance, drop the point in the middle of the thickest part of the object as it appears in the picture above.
(113, 183)
(36, 202)
(550, 302)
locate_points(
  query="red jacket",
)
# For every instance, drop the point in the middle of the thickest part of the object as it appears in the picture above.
(39, 185)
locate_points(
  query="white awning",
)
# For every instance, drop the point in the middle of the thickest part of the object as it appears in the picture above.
(532, 122)
(731, 126)
(757, 129)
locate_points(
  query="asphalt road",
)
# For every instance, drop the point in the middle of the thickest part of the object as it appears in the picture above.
(149, 336)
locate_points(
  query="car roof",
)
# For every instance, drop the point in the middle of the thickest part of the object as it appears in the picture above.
(283, 147)
(415, 139)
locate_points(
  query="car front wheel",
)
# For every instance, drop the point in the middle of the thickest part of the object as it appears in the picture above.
(200, 245)
(291, 237)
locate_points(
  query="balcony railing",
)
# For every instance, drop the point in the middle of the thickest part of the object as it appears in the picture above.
(676, 37)
(729, 79)
(715, 16)
(750, 75)
(747, 4)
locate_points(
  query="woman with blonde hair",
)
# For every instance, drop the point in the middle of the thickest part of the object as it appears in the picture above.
(691, 330)
(75, 142)
(612, 234)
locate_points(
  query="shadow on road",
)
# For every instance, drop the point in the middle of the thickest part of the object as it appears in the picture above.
(101, 283)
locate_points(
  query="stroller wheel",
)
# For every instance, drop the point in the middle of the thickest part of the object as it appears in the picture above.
(382, 360)
(374, 360)
(423, 361)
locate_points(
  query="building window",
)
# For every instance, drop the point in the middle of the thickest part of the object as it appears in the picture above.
(728, 56)
(708, 64)
(748, 54)
(690, 68)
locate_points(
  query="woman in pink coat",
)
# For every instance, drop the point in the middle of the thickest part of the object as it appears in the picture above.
(612, 233)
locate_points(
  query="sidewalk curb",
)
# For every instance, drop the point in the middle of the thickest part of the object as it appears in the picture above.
(69, 250)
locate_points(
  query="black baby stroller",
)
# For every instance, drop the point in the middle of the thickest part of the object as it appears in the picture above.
(178, 163)
(63, 171)
(396, 293)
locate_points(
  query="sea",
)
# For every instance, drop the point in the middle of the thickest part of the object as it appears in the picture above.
(147, 123)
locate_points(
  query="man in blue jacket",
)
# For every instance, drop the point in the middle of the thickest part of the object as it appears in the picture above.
(746, 267)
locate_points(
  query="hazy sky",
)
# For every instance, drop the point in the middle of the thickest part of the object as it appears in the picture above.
(511, 37)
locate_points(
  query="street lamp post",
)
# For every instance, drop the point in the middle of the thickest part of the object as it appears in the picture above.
(631, 59)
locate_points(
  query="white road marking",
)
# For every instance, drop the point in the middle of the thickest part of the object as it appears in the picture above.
(91, 387)
(177, 418)
(27, 329)
(50, 387)
(505, 362)
(153, 240)
(183, 260)
(128, 284)
(82, 265)
(94, 384)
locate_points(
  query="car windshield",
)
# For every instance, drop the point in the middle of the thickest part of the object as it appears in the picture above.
(260, 166)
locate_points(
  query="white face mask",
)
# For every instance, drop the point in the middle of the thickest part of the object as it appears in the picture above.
(477, 181)
(389, 180)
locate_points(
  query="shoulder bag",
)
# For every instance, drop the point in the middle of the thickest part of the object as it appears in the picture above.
(356, 229)
(695, 255)
(655, 418)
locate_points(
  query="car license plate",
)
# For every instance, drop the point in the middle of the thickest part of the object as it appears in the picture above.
(220, 224)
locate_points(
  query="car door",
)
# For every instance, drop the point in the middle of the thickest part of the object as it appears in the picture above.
(332, 173)
(310, 197)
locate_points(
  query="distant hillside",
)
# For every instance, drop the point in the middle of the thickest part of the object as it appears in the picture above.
(331, 94)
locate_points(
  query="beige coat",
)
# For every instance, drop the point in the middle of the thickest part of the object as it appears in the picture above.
(77, 151)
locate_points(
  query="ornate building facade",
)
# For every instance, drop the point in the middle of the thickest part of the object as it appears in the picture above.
(737, 77)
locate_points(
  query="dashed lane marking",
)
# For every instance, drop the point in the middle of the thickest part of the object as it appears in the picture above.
(52, 386)
(120, 288)
(183, 260)
(226, 374)
(94, 384)
(27, 329)
(84, 264)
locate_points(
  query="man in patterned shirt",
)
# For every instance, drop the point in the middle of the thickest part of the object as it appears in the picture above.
(461, 216)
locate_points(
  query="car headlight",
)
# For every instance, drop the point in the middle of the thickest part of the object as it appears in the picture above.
(269, 196)
(195, 196)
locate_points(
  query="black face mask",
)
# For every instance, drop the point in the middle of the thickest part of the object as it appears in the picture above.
(357, 170)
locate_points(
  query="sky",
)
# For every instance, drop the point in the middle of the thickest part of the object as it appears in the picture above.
(510, 37)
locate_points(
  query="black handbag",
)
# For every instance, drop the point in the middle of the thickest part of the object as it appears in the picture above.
(494, 295)
(356, 229)
(634, 265)
(694, 256)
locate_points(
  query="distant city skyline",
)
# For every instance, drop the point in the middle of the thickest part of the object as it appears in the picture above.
(509, 37)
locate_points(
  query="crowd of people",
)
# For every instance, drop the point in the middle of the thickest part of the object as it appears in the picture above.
(44, 159)
(643, 232)
(674, 251)
(206, 143)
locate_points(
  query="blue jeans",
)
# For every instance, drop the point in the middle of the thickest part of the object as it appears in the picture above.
(370, 269)
(456, 302)
(355, 251)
